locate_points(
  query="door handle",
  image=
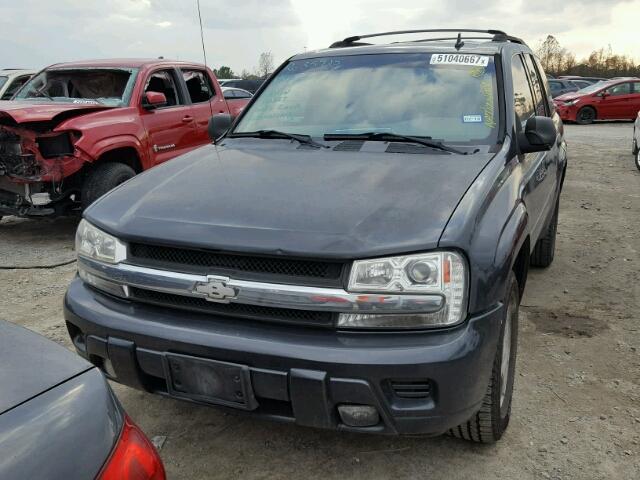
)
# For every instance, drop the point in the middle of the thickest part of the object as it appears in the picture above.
(187, 118)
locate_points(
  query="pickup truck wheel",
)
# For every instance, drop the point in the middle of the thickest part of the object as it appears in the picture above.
(102, 178)
(586, 115)
(545, 249)
(490, 422)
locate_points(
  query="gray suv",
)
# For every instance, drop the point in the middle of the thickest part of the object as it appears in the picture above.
(349, 253)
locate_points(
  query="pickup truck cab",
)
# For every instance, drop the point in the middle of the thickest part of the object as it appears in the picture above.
(350, 253)
(76, 130)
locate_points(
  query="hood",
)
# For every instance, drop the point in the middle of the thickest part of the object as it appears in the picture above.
(25, 112)
(568, 96)
(274, 197)
(31, 364)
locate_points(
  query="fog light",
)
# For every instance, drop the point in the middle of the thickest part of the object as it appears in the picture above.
(358, 415)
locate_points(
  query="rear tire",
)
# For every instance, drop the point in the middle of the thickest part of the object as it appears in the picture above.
(586, 115)
(491, 421)
(545, 249)
(103, 178)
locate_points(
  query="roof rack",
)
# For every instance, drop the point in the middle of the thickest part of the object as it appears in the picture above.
(497, 36)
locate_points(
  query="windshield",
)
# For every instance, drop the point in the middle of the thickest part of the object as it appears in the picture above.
(3, 80)
(452, 98)
(106, 86)
(594, 88)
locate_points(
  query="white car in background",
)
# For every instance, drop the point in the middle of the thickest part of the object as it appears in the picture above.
(11, 79)
(636, 141)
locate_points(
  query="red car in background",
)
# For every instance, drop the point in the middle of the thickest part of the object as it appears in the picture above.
(611, 100)
(76, 130)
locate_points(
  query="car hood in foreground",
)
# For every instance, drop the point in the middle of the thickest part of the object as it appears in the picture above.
(67, 432)
(31, 364)
(276, 197)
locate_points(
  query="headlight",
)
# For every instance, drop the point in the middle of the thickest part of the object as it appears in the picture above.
(437, 273)
(94, 243)
(568, 103)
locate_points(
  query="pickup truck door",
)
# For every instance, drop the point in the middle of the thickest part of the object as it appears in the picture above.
(206, 100)
(170, 129)
(539, 169)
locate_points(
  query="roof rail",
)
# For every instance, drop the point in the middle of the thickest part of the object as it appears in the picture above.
(498, 36)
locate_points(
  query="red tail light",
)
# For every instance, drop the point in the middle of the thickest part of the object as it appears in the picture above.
(133, 458)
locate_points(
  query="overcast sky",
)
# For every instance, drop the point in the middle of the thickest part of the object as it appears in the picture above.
(35, 33)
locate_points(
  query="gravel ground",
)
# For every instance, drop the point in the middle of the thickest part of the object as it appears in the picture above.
(576, 412)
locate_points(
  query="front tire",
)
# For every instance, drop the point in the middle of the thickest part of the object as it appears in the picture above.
(586, 115)
(103, 178)
(545, 249)
(491, 421)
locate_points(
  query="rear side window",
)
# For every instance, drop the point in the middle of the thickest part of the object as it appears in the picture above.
(636, 87)
(555, 86)
(198, 85)
(536, 84)
(163, 82)
(522, 98)
(242, 94)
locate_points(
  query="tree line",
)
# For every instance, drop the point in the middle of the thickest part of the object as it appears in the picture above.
(263, 70)
(557, 60)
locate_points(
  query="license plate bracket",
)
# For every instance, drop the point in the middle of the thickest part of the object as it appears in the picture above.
(209, 381)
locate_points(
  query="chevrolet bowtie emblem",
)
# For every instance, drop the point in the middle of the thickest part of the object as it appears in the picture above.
(215, 289)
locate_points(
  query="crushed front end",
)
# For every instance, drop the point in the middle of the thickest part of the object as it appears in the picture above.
(37, 167)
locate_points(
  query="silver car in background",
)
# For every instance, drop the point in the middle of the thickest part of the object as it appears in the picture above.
(11, 79)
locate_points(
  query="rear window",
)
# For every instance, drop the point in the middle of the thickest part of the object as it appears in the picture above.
(105, 86)
(452, 98)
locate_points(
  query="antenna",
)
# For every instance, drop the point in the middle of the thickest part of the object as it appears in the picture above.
(204, 50)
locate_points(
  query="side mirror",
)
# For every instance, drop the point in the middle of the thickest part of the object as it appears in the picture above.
(152, 100)
(539, 135)
(603, 95)
(218, 126)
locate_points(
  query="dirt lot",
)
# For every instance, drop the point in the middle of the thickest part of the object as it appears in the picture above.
(576, 412)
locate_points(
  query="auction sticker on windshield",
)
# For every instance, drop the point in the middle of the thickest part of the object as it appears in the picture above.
(459, 59)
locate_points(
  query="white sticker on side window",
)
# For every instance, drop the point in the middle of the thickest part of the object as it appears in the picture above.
(459, 59)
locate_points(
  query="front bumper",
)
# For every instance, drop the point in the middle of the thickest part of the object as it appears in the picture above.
(567, 113)
(298, 374)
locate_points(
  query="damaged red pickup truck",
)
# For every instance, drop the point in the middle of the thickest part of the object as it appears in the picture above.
(77, 130)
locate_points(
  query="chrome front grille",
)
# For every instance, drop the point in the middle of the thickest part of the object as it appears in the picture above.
(288, 316)
(236, 298)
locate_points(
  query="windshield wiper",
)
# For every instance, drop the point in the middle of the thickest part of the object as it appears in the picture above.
(40, 93)
(395, 137)
(305, 139)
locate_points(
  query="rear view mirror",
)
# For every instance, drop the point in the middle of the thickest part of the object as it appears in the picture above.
(539, 135)
(218, 126)
(153, 100)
